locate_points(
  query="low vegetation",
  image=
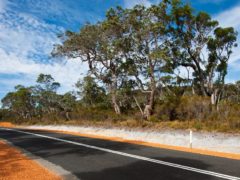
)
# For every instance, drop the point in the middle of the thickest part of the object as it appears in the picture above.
(162, 66)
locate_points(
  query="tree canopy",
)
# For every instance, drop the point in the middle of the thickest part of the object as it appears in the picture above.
(147, 45)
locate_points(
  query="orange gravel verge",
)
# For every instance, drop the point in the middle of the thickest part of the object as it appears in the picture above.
(6, 124)
(16, 166)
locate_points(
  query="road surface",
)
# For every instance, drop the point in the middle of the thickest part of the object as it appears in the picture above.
(90, 159)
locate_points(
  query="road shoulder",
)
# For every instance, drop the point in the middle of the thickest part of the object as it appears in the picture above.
(15, 165)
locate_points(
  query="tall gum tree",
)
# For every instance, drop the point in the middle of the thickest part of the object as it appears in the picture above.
(20, 102)
(101, 46)
(149, 33)
(45, 93)
(201, 44)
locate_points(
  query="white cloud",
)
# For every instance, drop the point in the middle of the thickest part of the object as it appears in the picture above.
(67, 74)
(24, 34)
(62, 12)
(26, 43)
(231, 18)
(132, 3)
(3, 5)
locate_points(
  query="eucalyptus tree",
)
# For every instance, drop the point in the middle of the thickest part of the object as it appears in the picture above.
(90, 92)
(201, 44)
(149, 54)
(67, 104)
(102, 46)
(45, 94)
(220, 49)
(46, 82)
(20, 102)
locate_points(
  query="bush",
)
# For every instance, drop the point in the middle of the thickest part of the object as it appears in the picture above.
(193, 107)
(166, 109)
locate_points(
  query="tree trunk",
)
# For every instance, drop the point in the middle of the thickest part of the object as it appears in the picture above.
(202, 87)
(148, 110)
(113, 91)
(67, 115)
(215, 97)
(115, 104)
(193, 90)
(138, 105)
(149, 107)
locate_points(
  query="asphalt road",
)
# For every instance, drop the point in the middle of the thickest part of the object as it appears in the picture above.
(90, 159)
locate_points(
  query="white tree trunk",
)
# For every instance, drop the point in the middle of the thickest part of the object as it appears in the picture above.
(215, 97)
(148, 110)
(115, 104)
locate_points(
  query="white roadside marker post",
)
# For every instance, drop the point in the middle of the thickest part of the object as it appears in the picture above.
(190, 139)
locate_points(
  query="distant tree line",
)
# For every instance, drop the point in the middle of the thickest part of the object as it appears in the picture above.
(136, 59)
(35, 101)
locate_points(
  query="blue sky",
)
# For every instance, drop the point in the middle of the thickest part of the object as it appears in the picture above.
(28, 31)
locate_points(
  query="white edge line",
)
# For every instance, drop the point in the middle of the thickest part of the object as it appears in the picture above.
(188, 168)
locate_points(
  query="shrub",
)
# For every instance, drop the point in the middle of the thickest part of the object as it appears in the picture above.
(193, 107)
(166, 109)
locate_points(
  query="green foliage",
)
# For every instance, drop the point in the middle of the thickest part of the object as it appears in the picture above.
(47, 83)
(148, 44)
(20, 102)
(38, 101)
(166, 110)
(91, 93)
(193, 107)
(194, 33)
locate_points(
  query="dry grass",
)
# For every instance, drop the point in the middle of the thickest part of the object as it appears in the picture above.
(228, 126)
(196, 125)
